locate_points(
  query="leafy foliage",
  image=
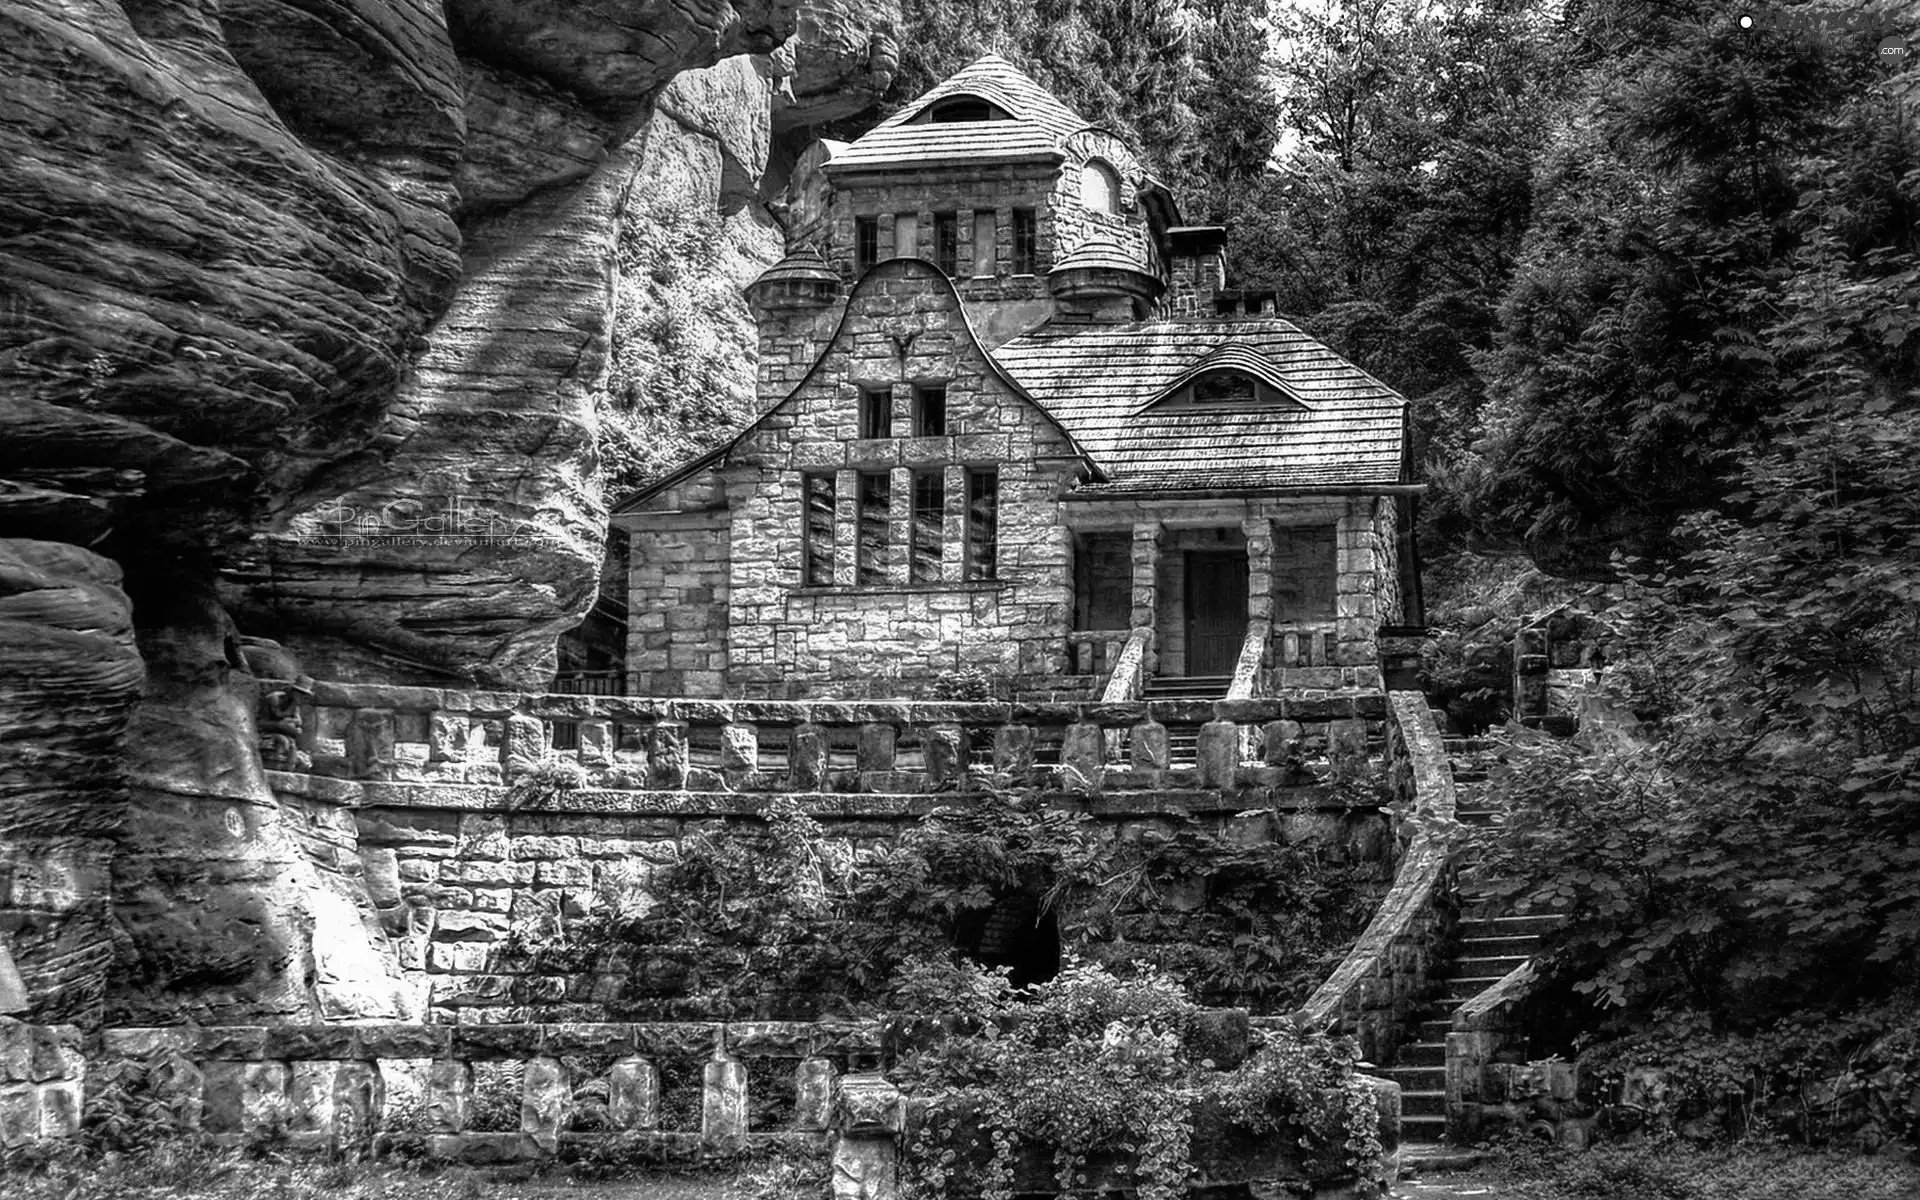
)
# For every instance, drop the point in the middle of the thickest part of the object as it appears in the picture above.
(1092, 1067)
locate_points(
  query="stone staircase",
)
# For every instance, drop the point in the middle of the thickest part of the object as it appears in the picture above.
(1489, 945)
(1183, 741)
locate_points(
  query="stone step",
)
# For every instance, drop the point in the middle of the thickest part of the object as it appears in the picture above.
(1424, 1104)
(1467, 986)
(1519, 945)
(1495, 965)
(1508, 926)
(1422, 1129)
(1421, 1054)
(1418, 1079)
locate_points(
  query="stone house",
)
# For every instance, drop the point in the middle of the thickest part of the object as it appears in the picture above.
(1014, 421)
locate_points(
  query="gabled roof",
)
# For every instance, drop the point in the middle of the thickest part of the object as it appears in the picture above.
(1348, 430)
(1040, 124)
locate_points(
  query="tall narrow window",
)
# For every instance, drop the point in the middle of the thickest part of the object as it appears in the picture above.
(817, 549)
(946, 242)
(906, 235)
(929, 410)
(929, 516)
(983, 524)
(983, 235)
(876, 412)
(866, 242)
(1025, 242)
(875, 502)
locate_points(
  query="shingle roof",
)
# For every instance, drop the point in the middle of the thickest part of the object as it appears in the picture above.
(1095, 379)
(1040, 124)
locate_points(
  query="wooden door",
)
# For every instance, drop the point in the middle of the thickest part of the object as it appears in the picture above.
(1216, 595)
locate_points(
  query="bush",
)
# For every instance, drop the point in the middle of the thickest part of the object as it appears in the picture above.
(1669, 1170)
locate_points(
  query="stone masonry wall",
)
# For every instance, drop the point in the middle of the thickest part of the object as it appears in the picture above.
(677, 606)
(904, 325)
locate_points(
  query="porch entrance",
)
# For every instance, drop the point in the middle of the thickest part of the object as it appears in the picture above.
(1216, 606)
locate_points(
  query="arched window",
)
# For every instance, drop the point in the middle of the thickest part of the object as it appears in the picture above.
(1225, 387)
(1099, 188)
(964, 108)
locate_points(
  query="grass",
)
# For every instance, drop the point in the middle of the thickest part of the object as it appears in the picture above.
(184, 1171)
(1752, 1170)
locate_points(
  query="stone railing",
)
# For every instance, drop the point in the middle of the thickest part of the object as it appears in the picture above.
(377, 735)
(548, 1089)
(1254, 648)
(1095, 651)
(1129, 669)
(1483, 1026)
(1376, 988)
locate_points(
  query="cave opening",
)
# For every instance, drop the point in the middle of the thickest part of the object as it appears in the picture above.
(1016, 933)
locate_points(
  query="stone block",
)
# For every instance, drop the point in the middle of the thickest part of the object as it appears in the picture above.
(739, 750)
(468, 927)
(61, 1103)
(290, 1042)
(1217, 754)
(667, 754)
(232, 1043)
(807, 757)
(369, 744)
(1147, 748)
(565, 874)
(310, 1094)
(523, 744)
(870, 1105)
(448, 737)
(633, 1094)
(596, 743)
(1013, 750)
(405, 1041)
(875, 749)
(380, 869)
(19, 1114)
(813, 1084)
(946, 754)
(723, 1103)
(449, 1098)
(546, 1100)
(482, 838)
(866, 1168)
(1280, 742)
(1082, 757)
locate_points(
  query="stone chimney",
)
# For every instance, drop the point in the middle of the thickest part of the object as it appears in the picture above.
(1197, 270)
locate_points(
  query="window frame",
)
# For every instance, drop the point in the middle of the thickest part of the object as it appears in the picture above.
(982, 532)
(986, 262)
(866, 242)
(1109, 178)
(875, 411)
(872, 559)
(946, 242)
(926, 526)
(912, 222)
(922, 392)
(813, 554)
(1026, 242)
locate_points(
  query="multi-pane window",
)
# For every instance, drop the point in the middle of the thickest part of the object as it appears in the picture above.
(983, 235)
(817, 544)
(872, 551)
(946, 242)
(983, 524)
(866, 242)
(929, 517)
(1025, 241)
(906, 235)
(876, 412)
(929, 410)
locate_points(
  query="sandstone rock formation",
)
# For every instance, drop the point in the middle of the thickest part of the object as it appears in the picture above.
(275, 274)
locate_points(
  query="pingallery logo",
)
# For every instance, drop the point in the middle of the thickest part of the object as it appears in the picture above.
(442, 516)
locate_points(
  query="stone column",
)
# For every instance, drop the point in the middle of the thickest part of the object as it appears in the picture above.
(813, 1095)
(866, 1159)
(1148, 746)
(1259, 531)
(1356, 607)
(807, 757)
(900, 521)
(1013, 751)
(953, 533)
(739, 753)
(846, 527)
(449, 1099)
(874, 750)
(946, 754)
(633, 1094)
(723, 1102)
(1082, 757)
(667, 755)
(546, 1095)
(1147, 536)
(370, 744)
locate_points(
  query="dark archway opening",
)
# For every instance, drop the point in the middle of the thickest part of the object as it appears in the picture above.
(1016, 934)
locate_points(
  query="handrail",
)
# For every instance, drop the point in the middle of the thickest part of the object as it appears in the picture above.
(1246, 669)
(1129, 673)
(1411, 917)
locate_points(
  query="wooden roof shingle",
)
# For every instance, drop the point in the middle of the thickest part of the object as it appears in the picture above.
(1099, 382)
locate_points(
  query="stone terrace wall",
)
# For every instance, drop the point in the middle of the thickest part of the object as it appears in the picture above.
(455, 830)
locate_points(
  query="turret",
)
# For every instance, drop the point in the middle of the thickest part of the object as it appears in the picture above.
(791, 301)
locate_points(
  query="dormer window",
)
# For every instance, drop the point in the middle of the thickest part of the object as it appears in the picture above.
(1229, 377)
(964, 108)
(1099, 188)
(1226, 387)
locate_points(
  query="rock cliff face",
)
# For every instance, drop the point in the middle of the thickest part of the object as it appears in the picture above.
(285, 285)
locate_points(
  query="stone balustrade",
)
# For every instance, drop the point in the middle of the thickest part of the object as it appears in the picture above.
(1095, 651)
(1129, 675)
(576, 1087)
(1374, 991)
(379, 734)
(1304, 643)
